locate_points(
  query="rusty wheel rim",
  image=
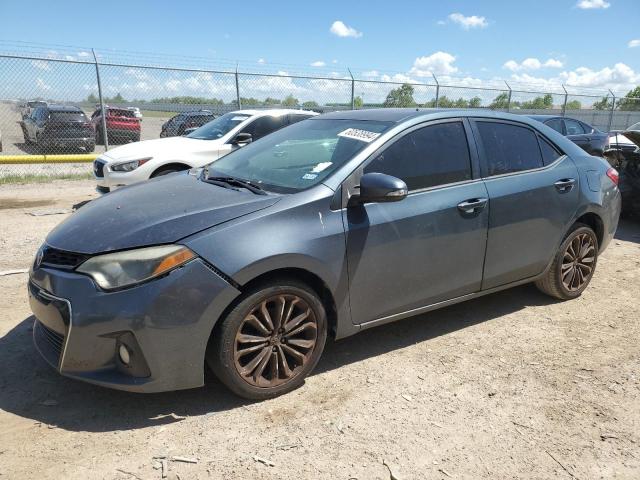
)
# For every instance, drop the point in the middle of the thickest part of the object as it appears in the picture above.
(578, 262)
(275, 341)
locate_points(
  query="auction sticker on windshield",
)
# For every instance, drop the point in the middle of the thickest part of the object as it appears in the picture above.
(357, 134)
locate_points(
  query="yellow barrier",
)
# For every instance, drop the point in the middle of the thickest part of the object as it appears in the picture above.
(31, 159)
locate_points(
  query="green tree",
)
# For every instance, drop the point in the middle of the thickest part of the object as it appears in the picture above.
(631, 100)
(574, 105)
(92, 98)
(539, 103)
(461, 103)
(501, 102)
(271, 101)
(604, 104)
(475, 102)
(309, 104)
(400, 97)
(358, 102)
(250, 101)
(444, 102)
(289, 101)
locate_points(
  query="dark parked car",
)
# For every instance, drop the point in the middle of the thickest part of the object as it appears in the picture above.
(58, 126)
(624, 155)
(589, 138)
(329, 226)
(122, 125)
(185, 123)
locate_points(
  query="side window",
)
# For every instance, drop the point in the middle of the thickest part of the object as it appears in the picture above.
(549, 153)
(573, 127)
(554, 123)
(264, 126)
(509, 148)
(433, 155)
(587, 128)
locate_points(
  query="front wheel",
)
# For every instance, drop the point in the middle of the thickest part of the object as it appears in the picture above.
(270, 341)
(573, 265)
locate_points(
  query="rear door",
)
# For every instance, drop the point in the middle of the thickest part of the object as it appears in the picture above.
(533, 195)
(428, 247)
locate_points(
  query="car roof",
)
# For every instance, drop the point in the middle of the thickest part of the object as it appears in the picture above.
(273, 111)
(64, 108)
(541, 118)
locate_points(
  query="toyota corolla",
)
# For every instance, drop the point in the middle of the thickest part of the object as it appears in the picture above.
(325, 228)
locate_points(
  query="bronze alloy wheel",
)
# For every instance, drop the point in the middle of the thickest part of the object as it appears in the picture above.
(578, 262)
(275, 340)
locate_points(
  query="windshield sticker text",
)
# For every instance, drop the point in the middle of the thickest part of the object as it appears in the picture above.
(357, 134)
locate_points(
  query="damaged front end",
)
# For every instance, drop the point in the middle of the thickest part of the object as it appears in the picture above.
(627, 162)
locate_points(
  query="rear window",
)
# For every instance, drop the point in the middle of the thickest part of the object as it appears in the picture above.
(113, 112)
(509, 148)
(68, 116)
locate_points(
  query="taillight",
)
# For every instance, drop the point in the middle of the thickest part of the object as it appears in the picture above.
(612, 173)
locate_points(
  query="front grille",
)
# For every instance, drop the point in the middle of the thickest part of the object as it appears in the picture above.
(98, 168)
(53, 257)
(49, 343)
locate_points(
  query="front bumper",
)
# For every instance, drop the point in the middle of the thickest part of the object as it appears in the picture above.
(69, 142)
(165, 324)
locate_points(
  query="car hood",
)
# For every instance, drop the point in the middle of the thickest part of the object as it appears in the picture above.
(159, 147)
(162, 210)
(633, 135)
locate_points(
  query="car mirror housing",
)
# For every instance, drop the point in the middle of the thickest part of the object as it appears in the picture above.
(242, 139)
(380, 188)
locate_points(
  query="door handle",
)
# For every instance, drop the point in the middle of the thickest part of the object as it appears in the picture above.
(472, 205)
(565, 185)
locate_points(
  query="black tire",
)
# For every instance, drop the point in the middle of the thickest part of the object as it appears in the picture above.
(552, 282)
(222, 345)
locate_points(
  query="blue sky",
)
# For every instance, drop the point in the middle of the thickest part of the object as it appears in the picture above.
(586, 43)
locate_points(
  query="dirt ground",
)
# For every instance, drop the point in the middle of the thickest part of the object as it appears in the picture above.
(512, 385)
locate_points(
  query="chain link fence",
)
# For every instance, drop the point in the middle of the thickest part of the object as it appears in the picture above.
(53, 106)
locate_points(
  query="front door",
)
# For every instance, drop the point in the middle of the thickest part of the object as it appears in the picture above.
(533, 194)
(428, 247)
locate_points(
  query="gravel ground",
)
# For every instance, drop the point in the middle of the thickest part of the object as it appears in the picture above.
(512, 385)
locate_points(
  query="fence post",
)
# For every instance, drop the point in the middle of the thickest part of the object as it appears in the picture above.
(613, 107)
(566, 98)
(437, 90)
(103, 123)
(353, 90)
(509, 98)
(238, 90)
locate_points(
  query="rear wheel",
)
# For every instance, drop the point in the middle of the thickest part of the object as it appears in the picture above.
(270, 341)
(573, 265)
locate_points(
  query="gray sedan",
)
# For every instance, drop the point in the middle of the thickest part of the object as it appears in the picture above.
(325, 228)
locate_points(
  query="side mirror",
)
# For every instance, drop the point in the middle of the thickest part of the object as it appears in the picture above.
(379, 188)
(242, 139)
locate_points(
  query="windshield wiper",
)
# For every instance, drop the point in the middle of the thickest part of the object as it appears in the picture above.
(236, 182)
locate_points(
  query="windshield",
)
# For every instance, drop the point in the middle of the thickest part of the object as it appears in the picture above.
(219, 127)
(299, 156)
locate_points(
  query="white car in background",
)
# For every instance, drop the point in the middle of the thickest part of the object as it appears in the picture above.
(136, 112)
(139, 161)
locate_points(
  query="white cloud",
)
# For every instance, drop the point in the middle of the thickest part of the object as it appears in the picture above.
(262, 61)
(592, 4)
(83, 54)
(472, 21)
(341, 30)
(438, 63)
(137, 73)
(69, 57)
(531, 64)
(41, 65)
(318, 63)
(371, 74)
(334, 61)
(634, 43)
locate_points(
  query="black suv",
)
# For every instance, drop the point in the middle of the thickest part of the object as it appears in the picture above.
(185, 123)
(58, 126)
(589, 138)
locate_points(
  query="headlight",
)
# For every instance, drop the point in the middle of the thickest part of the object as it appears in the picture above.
(121, 269)
(128, 166)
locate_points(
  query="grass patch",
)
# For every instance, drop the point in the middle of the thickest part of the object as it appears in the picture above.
(36, 178)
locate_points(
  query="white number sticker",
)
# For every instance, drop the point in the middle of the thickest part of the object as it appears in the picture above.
(357, 134)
